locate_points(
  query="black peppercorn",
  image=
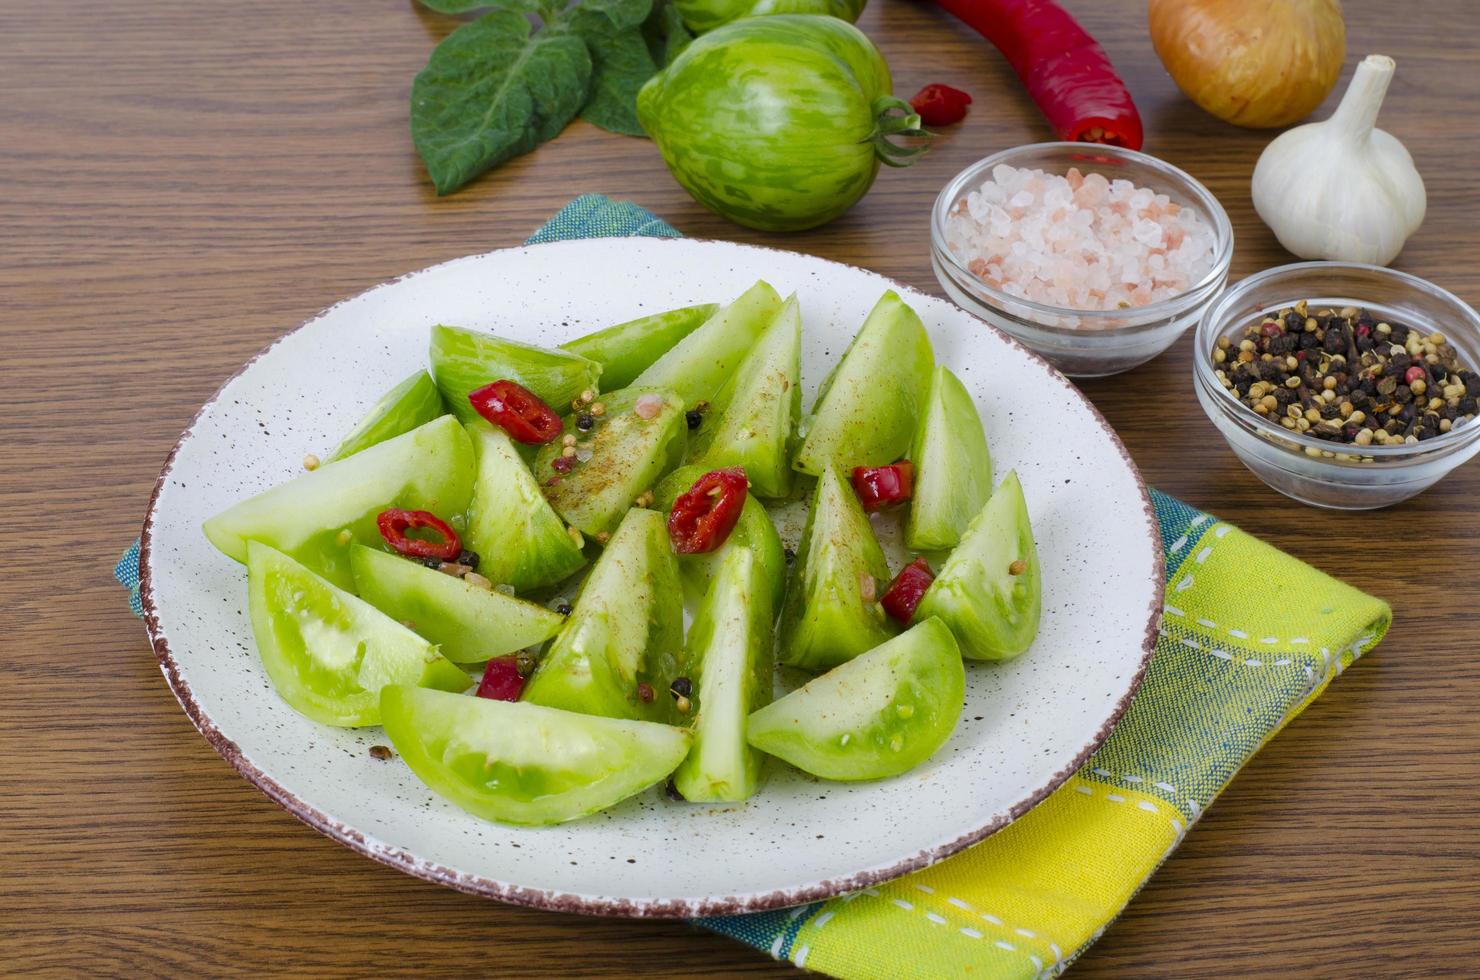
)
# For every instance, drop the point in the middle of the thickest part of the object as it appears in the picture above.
(681, 687)
(695, 419)
(563, 608)
(468, 558)
(585, 421)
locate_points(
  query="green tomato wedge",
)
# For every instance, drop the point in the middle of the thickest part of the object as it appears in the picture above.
(466, 360)
(699, 365)
(469, 624)
(429, 468)
(519, 538)
(412, 403)
(520, 763)
(868, 405)
(832, 613)
(626, 628)
(705, 15)
(327, 652)
(880, 714)
(754, 531)
(628, 349)
(993, 612)
(953, 467)
(729, 659)
(629, 454)
(759, 410)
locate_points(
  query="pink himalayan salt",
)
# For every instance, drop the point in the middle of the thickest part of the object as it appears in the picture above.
(1078, 241)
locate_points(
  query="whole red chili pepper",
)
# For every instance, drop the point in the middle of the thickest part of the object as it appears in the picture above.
(518, 411)
(1066, 72)
(501, 680)
(703, 517)
(879, 486)
(907, 589)
(394, 523)
(940, 105)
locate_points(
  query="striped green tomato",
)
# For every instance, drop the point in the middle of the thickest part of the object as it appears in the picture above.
(778, 123)
(706, 15)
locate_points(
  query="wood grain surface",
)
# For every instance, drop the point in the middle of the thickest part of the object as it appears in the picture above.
(182, 182)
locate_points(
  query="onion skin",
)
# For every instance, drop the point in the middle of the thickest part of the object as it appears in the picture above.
(1254, 63)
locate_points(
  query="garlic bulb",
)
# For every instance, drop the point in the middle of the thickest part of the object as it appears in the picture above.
(1342, 189)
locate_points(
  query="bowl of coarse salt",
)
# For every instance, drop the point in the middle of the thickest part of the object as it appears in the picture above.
(1096, 257)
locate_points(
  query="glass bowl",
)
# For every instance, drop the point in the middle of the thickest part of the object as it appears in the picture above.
(1085, 343)
(1311, 470)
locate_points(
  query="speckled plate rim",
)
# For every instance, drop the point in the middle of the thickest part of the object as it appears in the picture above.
(558, 901)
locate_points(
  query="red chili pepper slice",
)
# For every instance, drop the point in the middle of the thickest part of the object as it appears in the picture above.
(880, 486)
(394, 524)
(518, 411)
(907, 589)
(703, 517)
(501, 680)
(940, 105)
(1066, 72)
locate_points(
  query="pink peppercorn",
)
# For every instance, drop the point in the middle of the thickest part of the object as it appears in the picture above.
(1413, 374)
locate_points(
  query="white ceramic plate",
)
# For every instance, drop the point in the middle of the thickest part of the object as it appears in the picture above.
(1027, 724)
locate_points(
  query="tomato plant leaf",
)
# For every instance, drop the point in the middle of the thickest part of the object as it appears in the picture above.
(594, 18)
(621, 63)
(493, 90)
(666, 33)
(465, 6)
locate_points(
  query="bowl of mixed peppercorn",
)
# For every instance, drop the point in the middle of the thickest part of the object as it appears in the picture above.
(1342, 385)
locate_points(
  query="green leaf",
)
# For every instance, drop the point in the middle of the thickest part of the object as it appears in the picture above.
(665, 33)
(595, 17)
(622, 65)
(492, 90)
(464, 6)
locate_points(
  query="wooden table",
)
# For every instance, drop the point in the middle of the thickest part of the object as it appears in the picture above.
(182, 182)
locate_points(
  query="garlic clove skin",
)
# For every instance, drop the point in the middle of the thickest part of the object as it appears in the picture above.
(1341, 189)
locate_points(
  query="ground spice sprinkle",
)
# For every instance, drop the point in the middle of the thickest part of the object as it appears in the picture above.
(1348, 377)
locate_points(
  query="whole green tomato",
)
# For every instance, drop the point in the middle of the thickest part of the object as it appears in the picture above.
(779, 122)
(706, 15)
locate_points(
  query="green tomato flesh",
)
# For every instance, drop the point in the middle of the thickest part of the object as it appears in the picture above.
(880, 714)
(867, 407)
(729, 659)
(755, 531)
(699, 365)
(468, 623)
(628, 349)
(429, 468)
(705, 15)
(626, 628)
(327, 652)
(993, 613)
(521, 763)
(410, 404)
(629, 454)
(466, 360)
(768, 120)
(831, 612)
(519, 538)
(758, 421)
(953, 467)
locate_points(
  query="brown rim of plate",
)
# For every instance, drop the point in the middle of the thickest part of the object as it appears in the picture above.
(595, 905)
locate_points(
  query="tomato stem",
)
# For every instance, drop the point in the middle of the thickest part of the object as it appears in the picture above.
(894, 116)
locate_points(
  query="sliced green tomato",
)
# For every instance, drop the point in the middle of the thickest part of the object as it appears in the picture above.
(953, 468)
(521, 763)
(468, 623)
(628, 349)
(412, 403)
(759, 417)
(626, 628)
(879, 714)
(993, 612)
(628, 455)
(832, 613)
(519, 538)
(699, 365)
(729, 659)
(867, 407)
(329, 653)
(465, 360)
(429, 468)
(755, 531)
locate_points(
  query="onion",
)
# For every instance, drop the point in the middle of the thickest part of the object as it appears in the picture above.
(1255, 63)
